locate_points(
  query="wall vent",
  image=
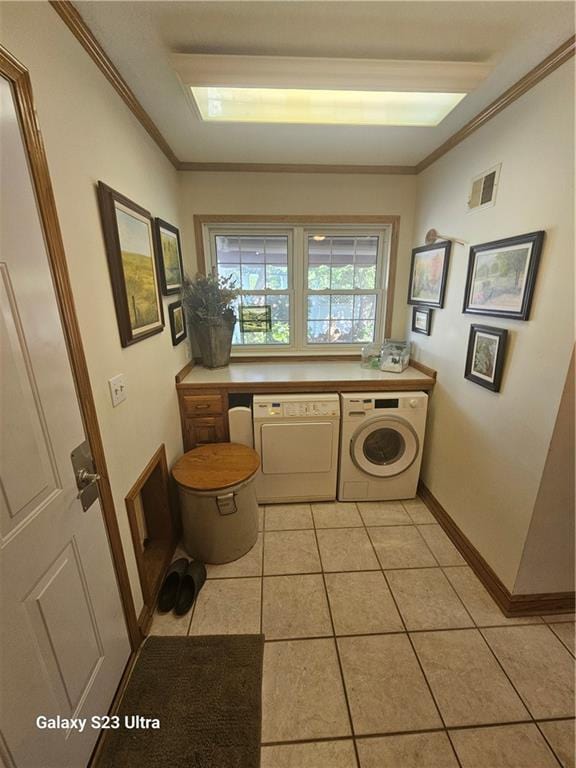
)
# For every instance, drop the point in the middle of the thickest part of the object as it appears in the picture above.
(484, 188)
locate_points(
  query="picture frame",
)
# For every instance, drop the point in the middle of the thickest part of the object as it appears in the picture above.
(428, 273)
(254, 319)
(177, 322)
(421, 320)
(130, 251)
(485, 356)
(169, 257)
(502, 276)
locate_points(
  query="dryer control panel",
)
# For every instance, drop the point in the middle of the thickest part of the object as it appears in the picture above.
(296, 407)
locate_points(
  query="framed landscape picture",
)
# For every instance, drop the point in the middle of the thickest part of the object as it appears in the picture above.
(502, 275)
(177, 322)
(428, 273)
(485, 358)
(129, 240)
(169, 254)
(421, 320)
(255, 319)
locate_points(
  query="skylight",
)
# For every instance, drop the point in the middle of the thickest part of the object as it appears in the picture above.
(323, 107)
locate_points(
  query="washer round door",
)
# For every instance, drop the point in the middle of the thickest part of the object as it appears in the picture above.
(384, 447)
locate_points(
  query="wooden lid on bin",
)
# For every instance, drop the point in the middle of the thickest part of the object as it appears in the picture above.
(215, 466)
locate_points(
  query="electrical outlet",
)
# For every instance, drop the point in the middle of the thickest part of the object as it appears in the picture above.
(117, 389)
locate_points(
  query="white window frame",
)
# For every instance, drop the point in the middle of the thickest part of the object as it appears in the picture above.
(297, 290)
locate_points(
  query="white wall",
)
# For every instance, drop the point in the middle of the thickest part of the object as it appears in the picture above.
(302, 194)
(90, 135)
(486, 452)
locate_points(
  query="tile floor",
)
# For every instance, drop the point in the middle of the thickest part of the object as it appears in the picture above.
(383, 650)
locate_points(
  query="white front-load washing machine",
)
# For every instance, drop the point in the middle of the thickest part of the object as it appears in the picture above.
(381, 443)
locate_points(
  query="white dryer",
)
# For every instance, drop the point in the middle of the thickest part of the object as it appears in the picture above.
(297, 439)
(381, 445)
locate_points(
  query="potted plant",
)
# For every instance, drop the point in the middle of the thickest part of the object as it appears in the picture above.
(207, 300)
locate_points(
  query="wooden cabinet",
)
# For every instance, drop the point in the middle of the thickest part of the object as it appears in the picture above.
(211, 429)
(203, 416)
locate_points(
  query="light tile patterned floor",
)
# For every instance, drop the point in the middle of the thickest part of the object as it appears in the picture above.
(383, 649)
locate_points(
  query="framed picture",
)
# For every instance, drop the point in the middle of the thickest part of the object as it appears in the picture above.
(421, 320)
(255, 319)
(177, 322)
(485, 358)
(501, 276)
(428, 274)
(129, 239)
(169, 254)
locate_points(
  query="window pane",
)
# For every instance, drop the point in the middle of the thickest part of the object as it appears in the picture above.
(365, 277)
(318, 307)
(280, 310)
(342, 277)
(253, 251)
(363, 331)
(227, 250)
(364, 307)
(341, 307)
(318, 332)
(342, 262)
(253, 277)
(276, 277)
(319, 277)
(341, 318)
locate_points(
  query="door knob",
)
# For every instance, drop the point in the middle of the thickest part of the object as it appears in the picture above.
(85, 479)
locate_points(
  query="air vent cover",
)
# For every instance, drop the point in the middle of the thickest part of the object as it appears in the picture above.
(484, 188)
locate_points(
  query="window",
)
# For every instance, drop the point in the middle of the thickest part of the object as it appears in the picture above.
(326, 286)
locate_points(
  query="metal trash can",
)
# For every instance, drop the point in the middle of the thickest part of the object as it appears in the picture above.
(218, 501)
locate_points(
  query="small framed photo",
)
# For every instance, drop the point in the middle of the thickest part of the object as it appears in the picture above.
(169, 254)
(255, 319)
(129, 240)
(177, 322)
(421, 320)
(485, 358)
(502, 275)
(428, 273)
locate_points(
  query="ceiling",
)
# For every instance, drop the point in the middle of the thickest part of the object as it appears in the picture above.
(140, 36)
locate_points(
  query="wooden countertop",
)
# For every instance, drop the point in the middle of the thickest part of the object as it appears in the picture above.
(304, 376)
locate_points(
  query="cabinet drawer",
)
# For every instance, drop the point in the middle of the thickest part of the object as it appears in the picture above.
(200, 405)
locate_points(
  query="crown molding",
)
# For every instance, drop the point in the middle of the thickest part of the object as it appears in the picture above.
(76, 24)
(74, 21)
(532, 78)
(404, 170)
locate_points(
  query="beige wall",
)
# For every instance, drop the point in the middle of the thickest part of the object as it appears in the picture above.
(301, 194)
(549, 550)
(486, 452)
(89, 135)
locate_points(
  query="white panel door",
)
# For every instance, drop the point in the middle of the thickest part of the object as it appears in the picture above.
(64, 642)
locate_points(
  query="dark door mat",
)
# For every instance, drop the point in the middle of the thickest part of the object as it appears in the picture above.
(206, 692)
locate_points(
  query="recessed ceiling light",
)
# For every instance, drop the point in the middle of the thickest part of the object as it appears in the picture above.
(332, 107)
(282, 89)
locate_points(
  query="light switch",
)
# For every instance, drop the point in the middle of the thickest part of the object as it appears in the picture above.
(117, 389)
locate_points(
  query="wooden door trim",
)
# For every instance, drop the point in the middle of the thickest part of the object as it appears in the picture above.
(19, 77)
